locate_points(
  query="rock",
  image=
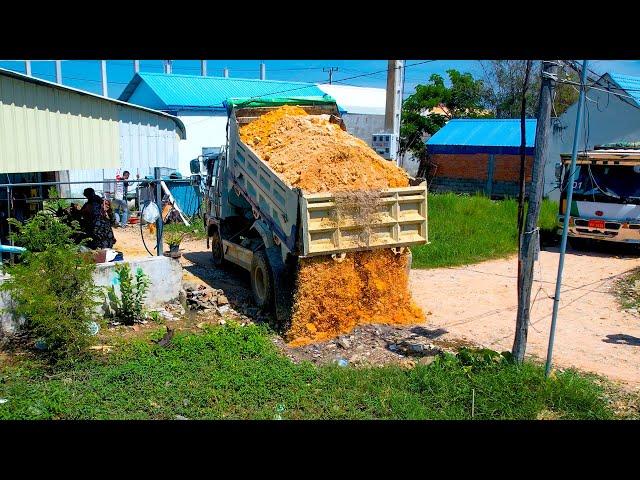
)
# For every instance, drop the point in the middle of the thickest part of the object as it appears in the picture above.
(222, 300)
(393, 347)
(190, 286)
(180, 417)
(221, 321)
(427, 360)
(343, 342)
(224, 309)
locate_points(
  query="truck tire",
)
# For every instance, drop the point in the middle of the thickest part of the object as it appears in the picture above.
(261, 281)
(217, 253)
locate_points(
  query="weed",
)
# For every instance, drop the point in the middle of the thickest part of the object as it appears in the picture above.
(129, 308)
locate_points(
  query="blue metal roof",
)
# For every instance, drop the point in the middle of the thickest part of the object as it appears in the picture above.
(483, 135)
(631, 85)
(190, 92)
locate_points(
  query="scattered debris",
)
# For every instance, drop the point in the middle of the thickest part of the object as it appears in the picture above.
(102, 348)
(343, 342)
(3, 400)
(180, 417)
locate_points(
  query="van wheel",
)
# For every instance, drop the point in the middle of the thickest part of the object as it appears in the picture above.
(261, 281)
(217, 253)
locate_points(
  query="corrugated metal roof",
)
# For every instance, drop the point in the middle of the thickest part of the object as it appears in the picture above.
(630, 84)
(483, 135)
(39, 81)
(361, 100)
(181, 92)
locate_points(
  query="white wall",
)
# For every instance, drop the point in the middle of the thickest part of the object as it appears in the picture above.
(203, 130)
(610, 119)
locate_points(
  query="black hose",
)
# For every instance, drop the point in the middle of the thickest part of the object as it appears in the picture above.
(141, 235)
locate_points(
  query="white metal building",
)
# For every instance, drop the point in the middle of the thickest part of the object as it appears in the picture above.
(610, 116)
(48, 127)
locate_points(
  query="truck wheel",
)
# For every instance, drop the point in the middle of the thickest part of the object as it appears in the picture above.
(216, 249)
(261, 280)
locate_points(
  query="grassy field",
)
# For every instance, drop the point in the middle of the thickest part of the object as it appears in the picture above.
(470, 229)
(235, 372)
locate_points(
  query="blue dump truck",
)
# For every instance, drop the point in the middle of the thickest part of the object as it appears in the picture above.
(606, 195)
(257, 221)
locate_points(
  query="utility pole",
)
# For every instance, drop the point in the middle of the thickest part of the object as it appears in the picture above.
(167, 66)
(27, 67)
(395, 70)
(103, 67)
(330, 70)
(225, 72)
(59, 71)
(203, 68)
(263, 71)
(566, 214)
(523, 157)
(136, 66)
(530, 236)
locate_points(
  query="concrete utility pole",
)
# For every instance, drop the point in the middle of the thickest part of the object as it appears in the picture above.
(225, 72)
(203, 68)
(27, 67)
(167, 66)
(59, 71)
(263, 71)
(395, 71)
(530, 235)
(136, 66)
(567, 214)
(105, 88)
(330, 70)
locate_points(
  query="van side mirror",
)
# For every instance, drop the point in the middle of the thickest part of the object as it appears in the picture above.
(194, 166)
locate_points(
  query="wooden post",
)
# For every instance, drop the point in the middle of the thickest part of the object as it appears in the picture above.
(491, 165)
(522, 180)
(530, 234)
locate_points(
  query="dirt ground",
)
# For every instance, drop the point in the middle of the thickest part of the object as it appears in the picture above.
(469, 305)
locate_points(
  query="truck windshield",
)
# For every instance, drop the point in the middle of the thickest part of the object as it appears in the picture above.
(607, 183)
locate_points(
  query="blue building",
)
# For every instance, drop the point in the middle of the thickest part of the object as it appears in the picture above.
(479, 155)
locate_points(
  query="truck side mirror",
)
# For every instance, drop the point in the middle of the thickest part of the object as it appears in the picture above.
(558, 171)
(194, 166)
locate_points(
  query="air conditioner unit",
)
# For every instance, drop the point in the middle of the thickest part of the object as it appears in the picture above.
(385, 145)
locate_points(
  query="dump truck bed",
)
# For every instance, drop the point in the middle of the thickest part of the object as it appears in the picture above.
(323, 223)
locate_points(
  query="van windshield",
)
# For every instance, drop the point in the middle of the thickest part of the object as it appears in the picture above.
(606, 183)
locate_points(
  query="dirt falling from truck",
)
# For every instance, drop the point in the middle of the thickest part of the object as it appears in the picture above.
(314, 154)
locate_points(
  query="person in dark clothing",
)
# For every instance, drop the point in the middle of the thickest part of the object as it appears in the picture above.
(96, 222)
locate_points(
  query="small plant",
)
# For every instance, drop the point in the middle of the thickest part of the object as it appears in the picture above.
(55, 203)
(42, 232)
(129, 308)
(174, 238)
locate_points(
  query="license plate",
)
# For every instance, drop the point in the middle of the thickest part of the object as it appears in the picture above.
(596, 224)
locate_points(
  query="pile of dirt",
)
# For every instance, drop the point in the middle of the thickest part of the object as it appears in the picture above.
(311, 153)
(366, 287)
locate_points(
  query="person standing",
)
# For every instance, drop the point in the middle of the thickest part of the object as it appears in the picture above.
(122, 204)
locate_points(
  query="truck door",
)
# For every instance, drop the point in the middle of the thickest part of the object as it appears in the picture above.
(213, 192)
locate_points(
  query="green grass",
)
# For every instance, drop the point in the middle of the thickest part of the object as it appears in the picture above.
(237, 373)
(627, 290)
(196, 231)
(469, 229)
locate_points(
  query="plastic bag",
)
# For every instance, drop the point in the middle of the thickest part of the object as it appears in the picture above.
(150, 213)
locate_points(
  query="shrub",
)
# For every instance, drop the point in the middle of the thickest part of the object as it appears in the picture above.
(42, 232)
(54, 291)
(129, 308)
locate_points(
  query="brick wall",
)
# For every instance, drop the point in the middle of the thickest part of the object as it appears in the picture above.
(468, 174)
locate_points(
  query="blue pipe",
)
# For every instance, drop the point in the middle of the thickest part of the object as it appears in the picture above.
(567, 214)
(11, 249)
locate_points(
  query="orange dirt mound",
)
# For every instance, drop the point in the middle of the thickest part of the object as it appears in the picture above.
(310, 152)
(367, 287)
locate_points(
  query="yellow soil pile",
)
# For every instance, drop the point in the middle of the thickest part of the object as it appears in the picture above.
(367, 287)
(310, 152)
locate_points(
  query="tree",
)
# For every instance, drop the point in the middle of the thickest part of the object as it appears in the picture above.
(503, 80)
(463, 99)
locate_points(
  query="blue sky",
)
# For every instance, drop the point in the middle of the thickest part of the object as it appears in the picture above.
(85, 74)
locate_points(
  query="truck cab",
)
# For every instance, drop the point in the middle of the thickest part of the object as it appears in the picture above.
(606, 195)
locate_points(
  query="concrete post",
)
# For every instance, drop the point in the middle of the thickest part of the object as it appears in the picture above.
(136, 66)
(59, 71)
(225, 72)
(203, 68)
(263, 71)
(105, 88)
(27, 67)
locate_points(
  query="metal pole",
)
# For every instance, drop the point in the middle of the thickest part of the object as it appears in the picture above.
(27, 67)
(159, 224)
(225, 72)
(103, 67)
(136, 66)
(565, 223)
(203, 67)
(59, 71)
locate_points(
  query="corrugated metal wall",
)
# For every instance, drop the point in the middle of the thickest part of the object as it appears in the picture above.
(48, 129)
(146, 141)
